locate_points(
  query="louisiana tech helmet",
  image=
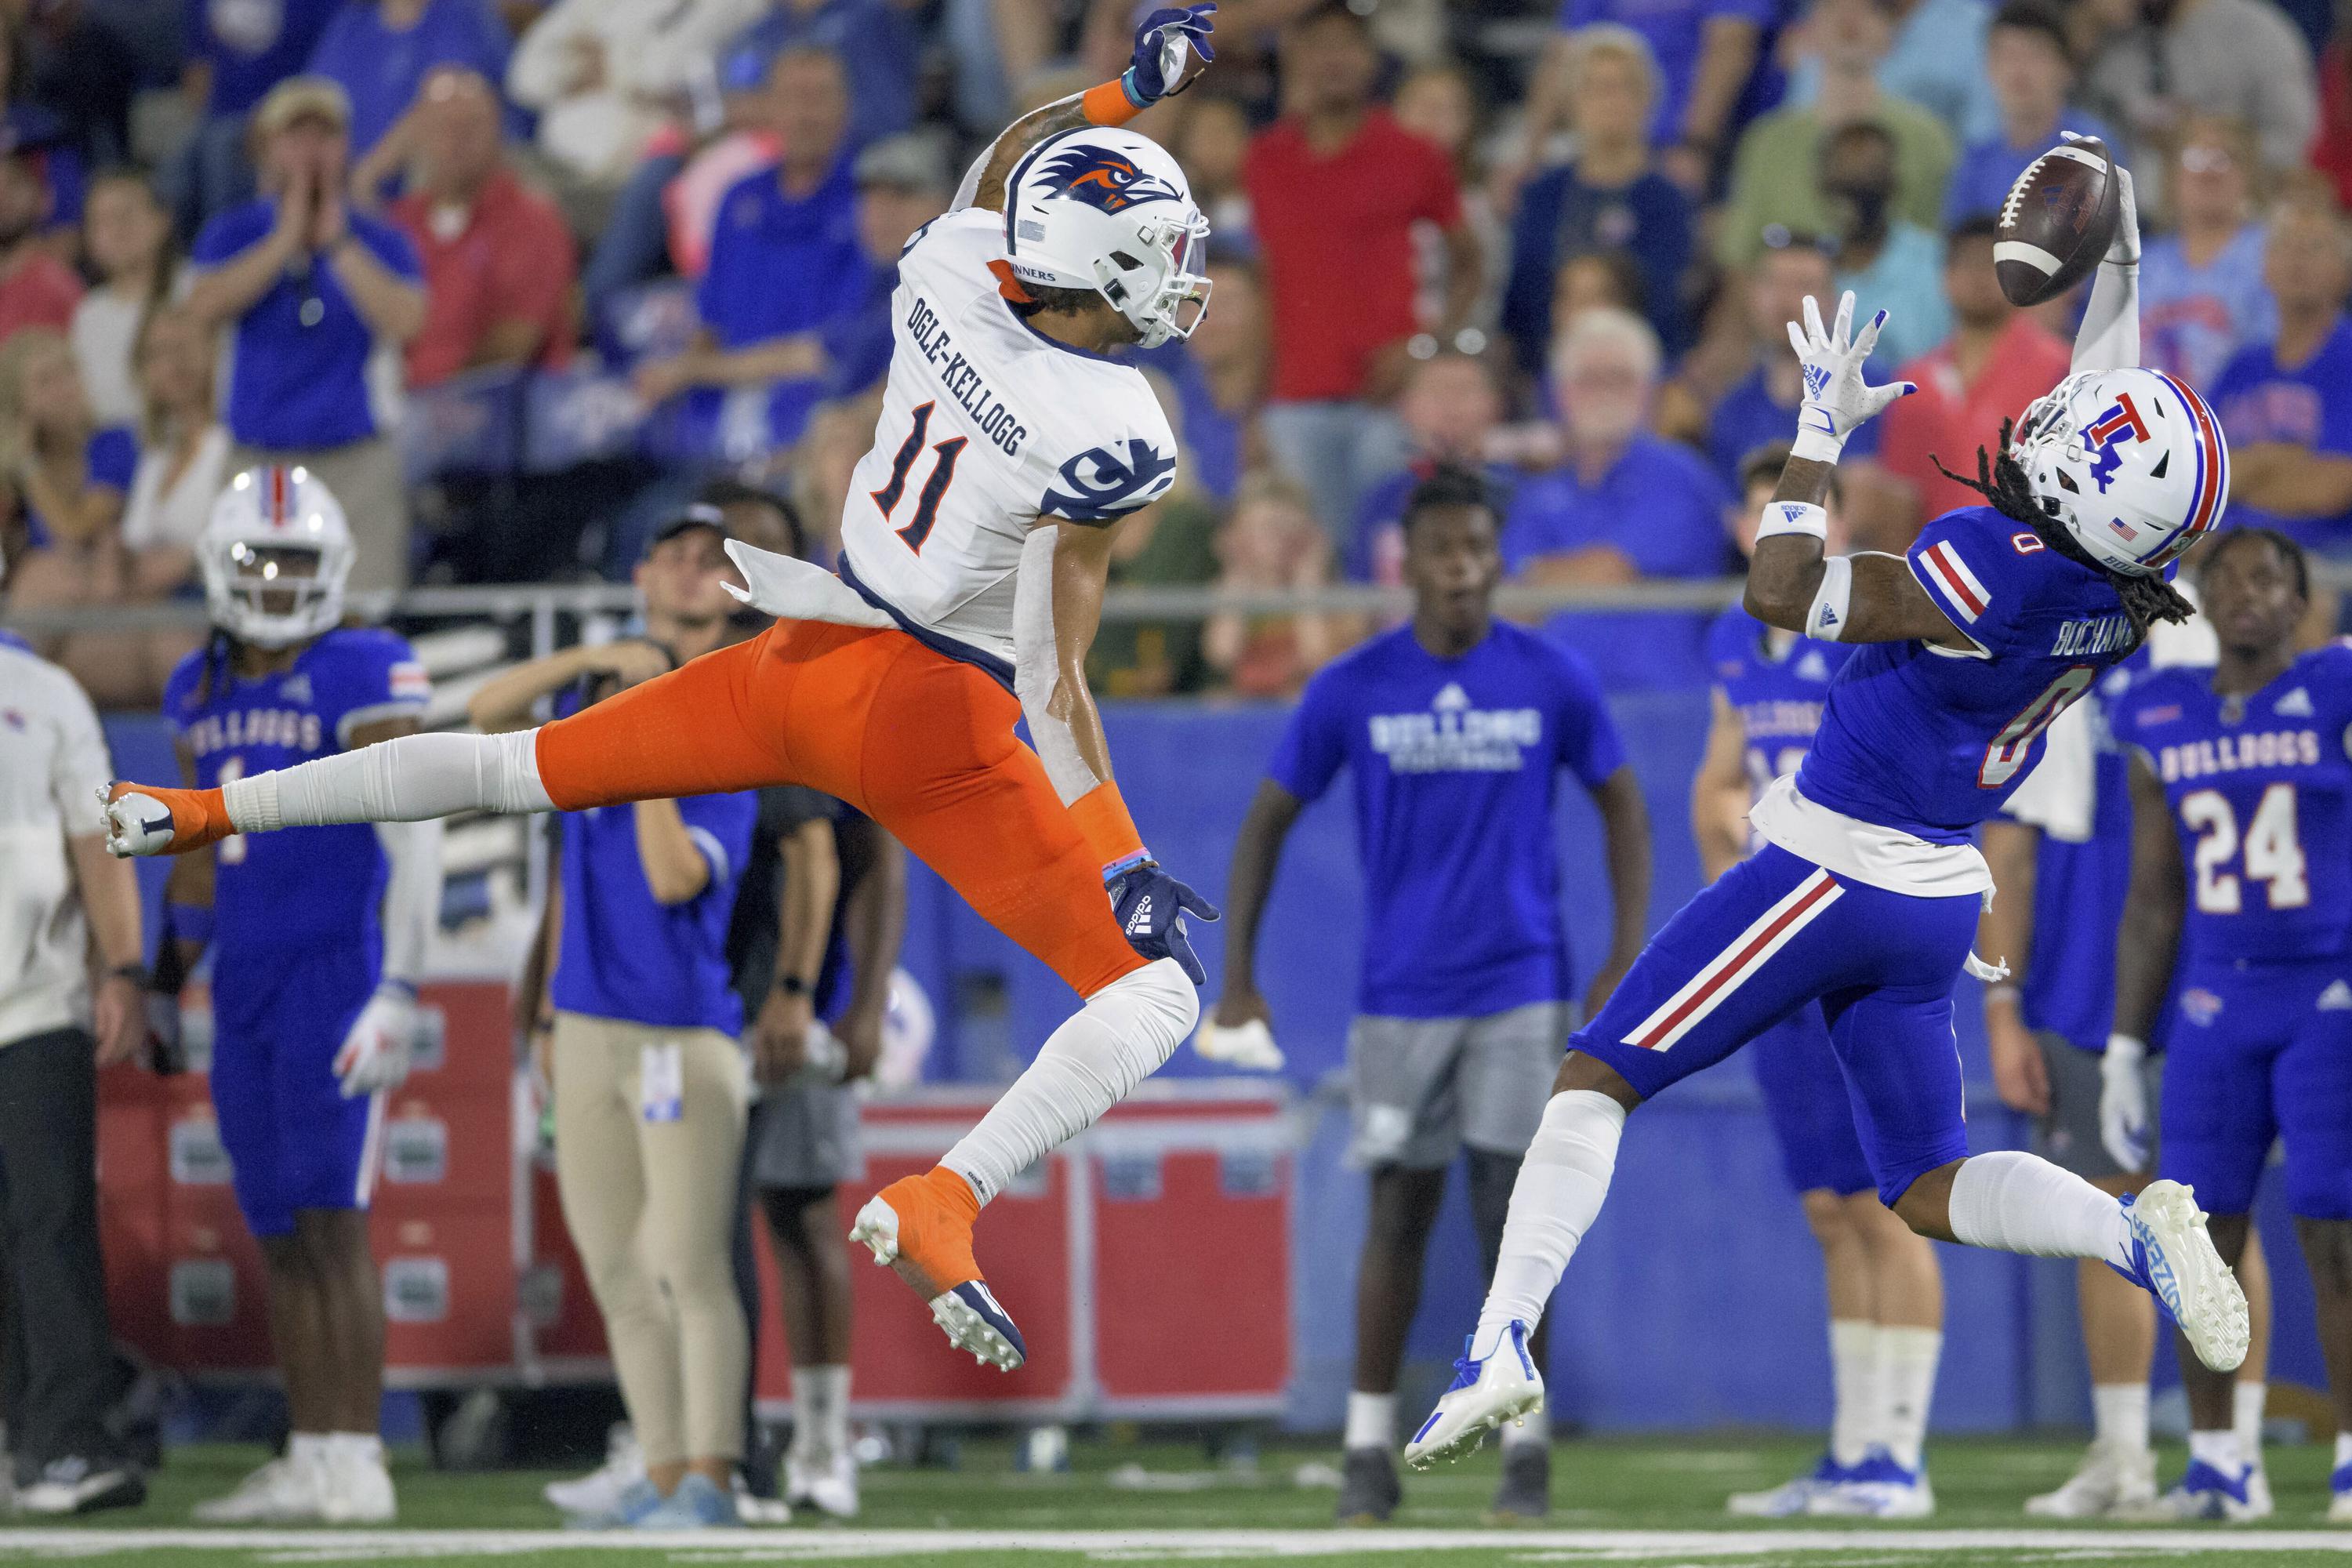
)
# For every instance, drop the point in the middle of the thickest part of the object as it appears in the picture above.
(1108, 210)
(2130, 461)
(262, 523)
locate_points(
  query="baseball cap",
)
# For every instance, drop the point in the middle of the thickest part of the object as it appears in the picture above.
(694, 515)
(905, 163)
(299, 97)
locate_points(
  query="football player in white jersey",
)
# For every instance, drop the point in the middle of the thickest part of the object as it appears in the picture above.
(976, 545)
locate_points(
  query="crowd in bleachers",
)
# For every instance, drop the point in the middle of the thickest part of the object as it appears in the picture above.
(516, 277)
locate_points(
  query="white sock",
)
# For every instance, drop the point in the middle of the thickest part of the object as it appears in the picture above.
(2014, 1202)
(308, 1448)
(362, 1446)
(1854, 1388)
(1562, 1182)
(2246, 1418)
(1906, 1387)
(2119, 1416)
(2219, 1449)
(411, 778)
(832, 1404)
(1372, 1421)
(2343, 1449)
(1124, 1032)
(808, 1413)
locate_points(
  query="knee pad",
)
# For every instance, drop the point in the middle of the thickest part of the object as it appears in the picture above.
(1150, 1011)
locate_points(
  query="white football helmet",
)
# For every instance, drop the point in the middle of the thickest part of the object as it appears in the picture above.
(263, 515)
(1109, 210)
(2131, 461)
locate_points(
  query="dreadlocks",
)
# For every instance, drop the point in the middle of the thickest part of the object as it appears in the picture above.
(2002, 481)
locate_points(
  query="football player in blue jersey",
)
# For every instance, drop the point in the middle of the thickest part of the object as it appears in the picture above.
(1885, 1292)
(2241, 878)
(317, 941)
(1865, 894)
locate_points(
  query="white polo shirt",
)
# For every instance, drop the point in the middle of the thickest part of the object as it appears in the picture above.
(52, 762)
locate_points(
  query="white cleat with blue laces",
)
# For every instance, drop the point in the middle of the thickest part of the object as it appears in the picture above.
(2174, 1260)
(1503, 1385)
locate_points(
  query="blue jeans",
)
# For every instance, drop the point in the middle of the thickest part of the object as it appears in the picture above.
(1338, 450)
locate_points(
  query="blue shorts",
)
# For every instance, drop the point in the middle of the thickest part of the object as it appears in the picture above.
(2258, 1052)
(1805, 1100)
(293, 1140)
(1775, 932)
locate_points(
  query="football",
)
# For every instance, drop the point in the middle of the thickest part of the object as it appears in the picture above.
(2058, 221)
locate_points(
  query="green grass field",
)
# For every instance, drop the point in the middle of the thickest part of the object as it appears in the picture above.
(1647, 1504)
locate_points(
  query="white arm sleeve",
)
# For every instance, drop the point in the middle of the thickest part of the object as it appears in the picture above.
(412, 895)
(1037, 667)
(2108, 338)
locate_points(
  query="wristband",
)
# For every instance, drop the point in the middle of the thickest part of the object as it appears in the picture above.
(1103, 820)
(2126, 1047)
(2002, 993)
(1816, 444)
(1112, 103)
(1825, 619)
(792, 985)
(1793, 517)
(134, 973)
(190, 923)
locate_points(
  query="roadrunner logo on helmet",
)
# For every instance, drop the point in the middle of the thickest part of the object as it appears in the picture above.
(2130, 461)
(1108, 210)
(275, 557)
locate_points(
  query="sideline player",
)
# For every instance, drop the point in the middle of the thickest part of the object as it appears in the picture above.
(1885, 1291)
(317, 941)
(2242, 865)
(976, 542)
(1456, 728)
(1867, 892)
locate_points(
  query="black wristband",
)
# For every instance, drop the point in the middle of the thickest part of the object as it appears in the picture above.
(134, 973)
(792, 985)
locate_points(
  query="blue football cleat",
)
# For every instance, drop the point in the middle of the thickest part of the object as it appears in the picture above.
(1790, 1498)
(2208, 1491)
(1881, 1486)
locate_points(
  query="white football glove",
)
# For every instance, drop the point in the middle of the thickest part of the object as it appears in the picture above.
(1837, 400)
(2125, 246)
(375, 1053)
(2123, 1103)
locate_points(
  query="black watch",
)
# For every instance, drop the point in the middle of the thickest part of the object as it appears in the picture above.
(792, 985)
(134, 973)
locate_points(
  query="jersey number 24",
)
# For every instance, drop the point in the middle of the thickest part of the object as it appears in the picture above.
(2274, 850)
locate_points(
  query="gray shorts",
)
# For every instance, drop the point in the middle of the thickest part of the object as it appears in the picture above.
(1420, 1089)
(806, 1135)
(2069, 1136)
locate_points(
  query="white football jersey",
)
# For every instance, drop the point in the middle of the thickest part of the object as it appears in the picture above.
(987, 426)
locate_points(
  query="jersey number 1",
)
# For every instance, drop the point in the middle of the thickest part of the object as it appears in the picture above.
(935, 489)
(2008, 748)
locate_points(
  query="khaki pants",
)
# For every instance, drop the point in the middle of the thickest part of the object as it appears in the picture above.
(650, 1204)
(366, 477)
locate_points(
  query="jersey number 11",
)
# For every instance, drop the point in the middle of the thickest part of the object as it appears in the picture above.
(935, 489)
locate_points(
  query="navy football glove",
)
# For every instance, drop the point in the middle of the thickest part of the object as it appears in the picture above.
(1161, 42)
(1150, 906)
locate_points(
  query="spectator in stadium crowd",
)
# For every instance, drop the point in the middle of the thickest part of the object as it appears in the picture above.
(1589, 281)
(67, 901)
(2286, 405)
(1437, 103)
(1336, 189)
(1776, 174)
(319, 301)
(1609, 196)
(784, 265)
(183, 450)
(127, 238)
(1172, 542)
(2201, 294)
(79, 64)
(379, 52)
(1891, 263)
(873, 38)
(1451, 408)
(1272, 542)
(606, 77)
(1212, 147)
(634, 1018)
(1623, 506)
(1704, 51)
(499, 262)
(1216, 384)
(1998, 359)
(2238, 57)
(1935, 58)
(37, 288)
(237, 53)
(2029, 62)
(902, 183)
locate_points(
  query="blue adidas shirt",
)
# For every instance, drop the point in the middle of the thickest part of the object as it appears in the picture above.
(2258, 399)
(1455, 763)
(304, 370)
(298, 932)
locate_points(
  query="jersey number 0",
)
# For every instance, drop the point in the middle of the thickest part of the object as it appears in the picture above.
(935, 489)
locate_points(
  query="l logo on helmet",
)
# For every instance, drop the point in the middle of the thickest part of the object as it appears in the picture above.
(2107, 434)
(1102, 178)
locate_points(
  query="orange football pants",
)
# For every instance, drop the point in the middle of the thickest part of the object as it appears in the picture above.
(921, 743)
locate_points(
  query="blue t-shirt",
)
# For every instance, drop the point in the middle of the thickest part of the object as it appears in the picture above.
(626, 956)
(382, 69)
(1561, 216)
(304, 370)
(2258, 399)
(2194, 320)
(779, 265)
(1213, 439)
(1675, 31)
(253, 45)
(2261, 793)
(298, 915)
(1748, 417)
(1932, 742)
(1988, 167)
(873, 41)
(1454, 763)
(1663, 507)
(1779, 690)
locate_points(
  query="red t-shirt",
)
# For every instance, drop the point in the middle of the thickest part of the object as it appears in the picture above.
(1335, 234)
(1947, 419)
(512, 260)
(39, 291)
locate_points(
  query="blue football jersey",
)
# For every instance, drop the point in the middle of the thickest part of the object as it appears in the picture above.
(1780, 696)
(297, 913)
(1931, 741)
(2261, 792)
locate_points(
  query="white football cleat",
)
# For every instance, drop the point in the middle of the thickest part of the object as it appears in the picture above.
(355, 1486)
(2109, 1483)
(598, 1492)
(2173, 1258)
(283, 1491)
(830, 1487)
(1790, 1498)
(1881, 1486)
(1486, 1392)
